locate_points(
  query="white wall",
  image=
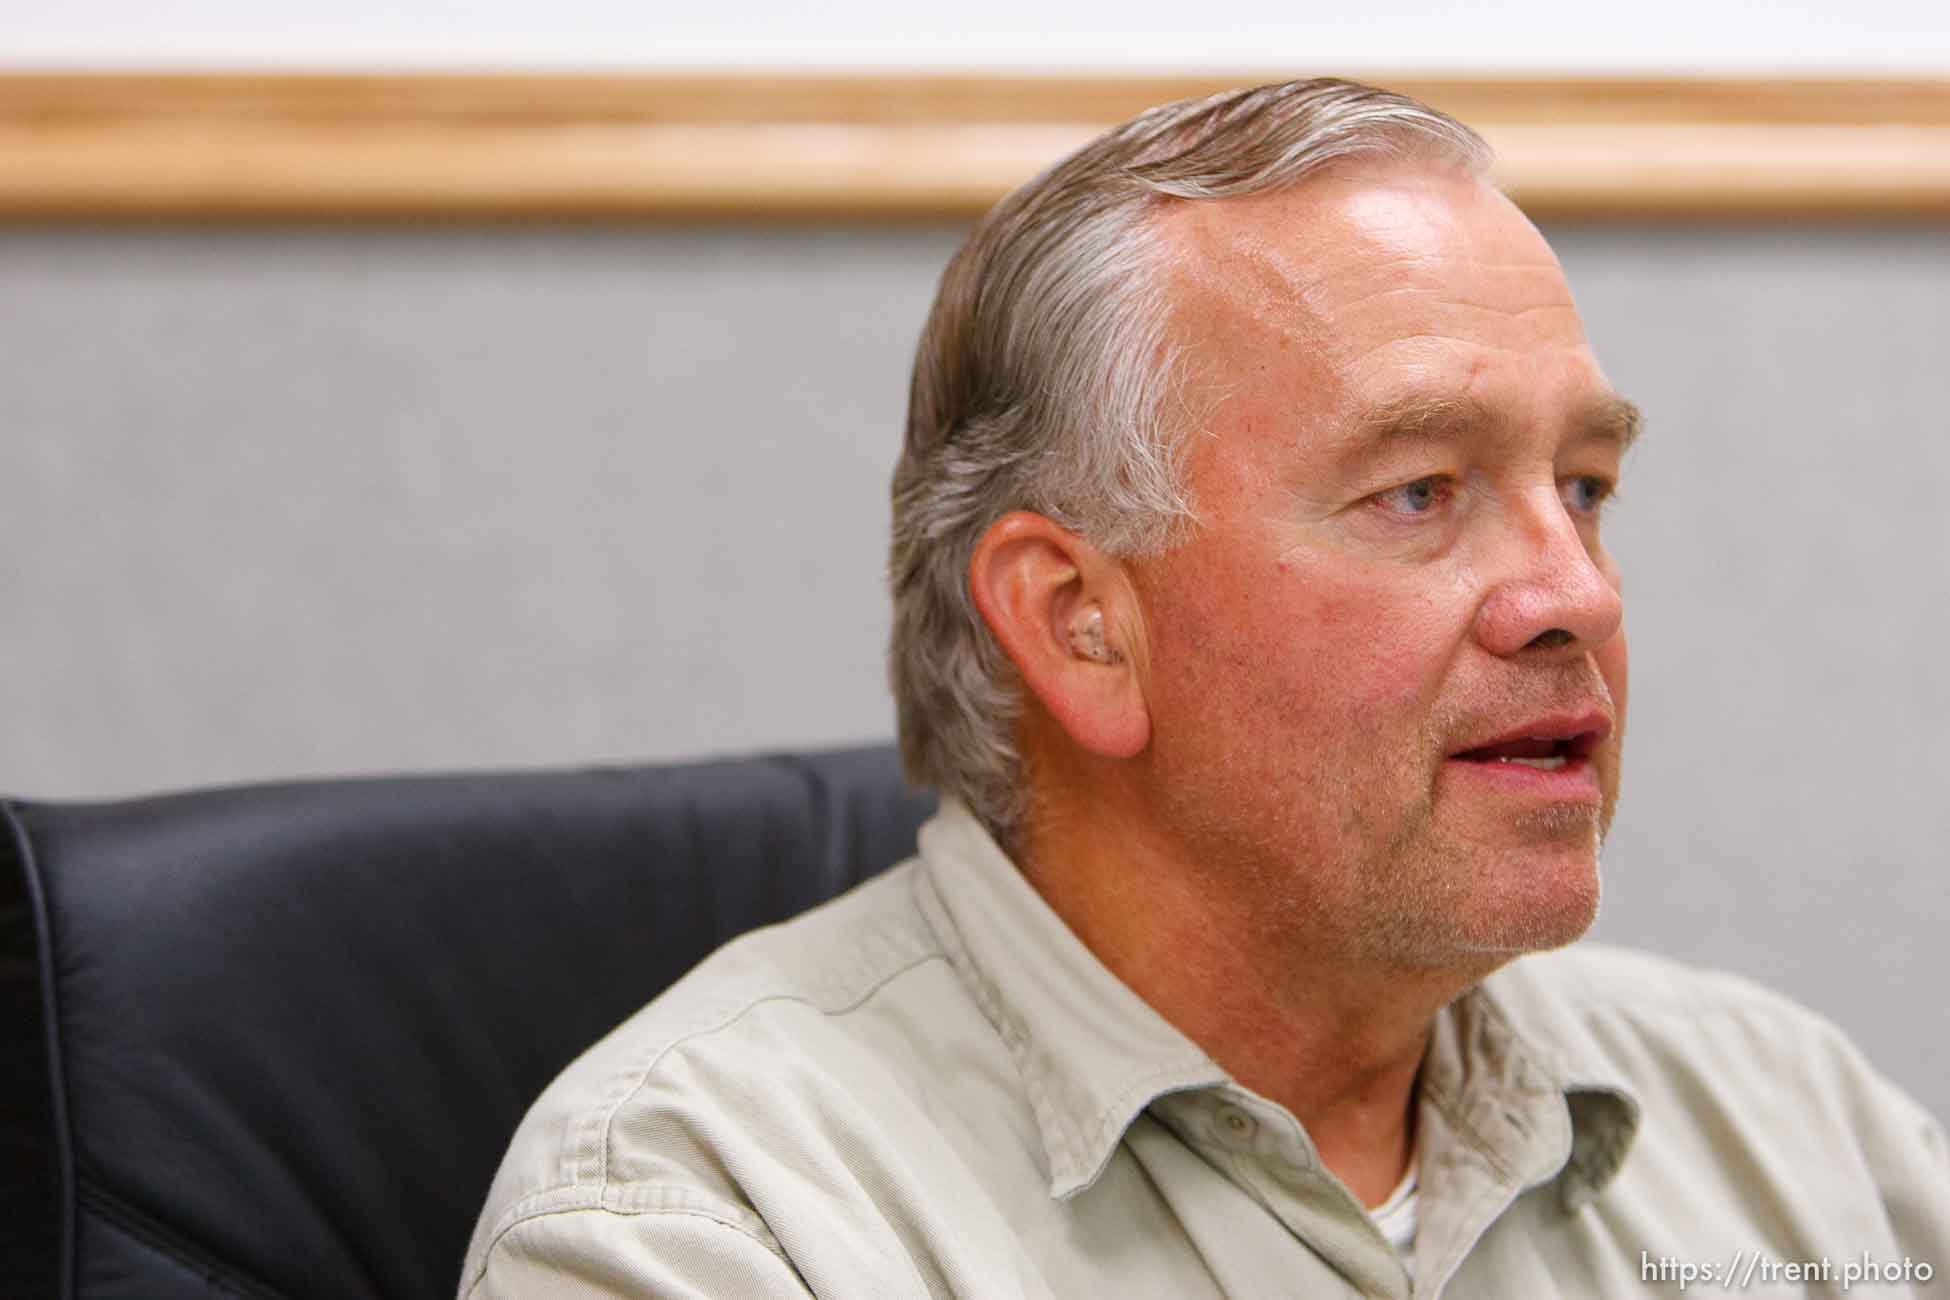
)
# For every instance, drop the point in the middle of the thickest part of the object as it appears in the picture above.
(1168, 35)
(287, 501)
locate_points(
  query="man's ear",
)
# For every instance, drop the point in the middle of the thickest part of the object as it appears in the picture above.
(1067, 617)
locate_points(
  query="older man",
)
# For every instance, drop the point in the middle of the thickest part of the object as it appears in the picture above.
(1253, 618)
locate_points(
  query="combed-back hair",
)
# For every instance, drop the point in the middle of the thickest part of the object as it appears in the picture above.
(1046, 380)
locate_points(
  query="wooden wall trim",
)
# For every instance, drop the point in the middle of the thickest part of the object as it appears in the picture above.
(555, 146)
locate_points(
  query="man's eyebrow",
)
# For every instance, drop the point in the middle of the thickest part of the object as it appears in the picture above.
(1419, 417)
(1612, 419)
(1416, 417)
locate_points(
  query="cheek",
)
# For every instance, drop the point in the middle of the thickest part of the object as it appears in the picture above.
(1302, 641)
(1374, 650)
(1318, 651)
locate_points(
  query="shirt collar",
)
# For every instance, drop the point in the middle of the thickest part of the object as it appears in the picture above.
(1093, 1055)
(1484, 1063)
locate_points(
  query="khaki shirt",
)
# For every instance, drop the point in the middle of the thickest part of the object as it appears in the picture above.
(930, 1087)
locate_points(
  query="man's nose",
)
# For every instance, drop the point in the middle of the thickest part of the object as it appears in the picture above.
(1550, 594)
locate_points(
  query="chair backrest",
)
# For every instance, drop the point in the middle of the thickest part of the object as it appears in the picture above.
(272, 1041)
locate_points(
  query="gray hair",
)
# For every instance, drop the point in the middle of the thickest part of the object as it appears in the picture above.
(1045, 380)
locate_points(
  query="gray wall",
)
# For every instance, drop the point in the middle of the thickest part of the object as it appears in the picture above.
(288, 502)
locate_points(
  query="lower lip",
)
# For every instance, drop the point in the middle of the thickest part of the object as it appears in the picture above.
(1575, 782)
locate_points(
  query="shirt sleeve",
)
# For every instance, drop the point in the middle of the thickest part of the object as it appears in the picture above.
(655, 1255)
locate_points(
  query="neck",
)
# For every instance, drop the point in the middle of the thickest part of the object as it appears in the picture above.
(1338, 1042)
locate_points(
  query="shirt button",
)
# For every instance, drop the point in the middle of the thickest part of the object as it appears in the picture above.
(1237, 1123)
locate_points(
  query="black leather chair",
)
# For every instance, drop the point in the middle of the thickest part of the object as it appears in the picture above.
(271, 1041)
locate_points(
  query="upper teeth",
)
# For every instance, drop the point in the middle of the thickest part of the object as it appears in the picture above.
(1550, 764)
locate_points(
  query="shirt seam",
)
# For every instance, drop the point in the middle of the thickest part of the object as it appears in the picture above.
(600, 1158)
(730, 1218)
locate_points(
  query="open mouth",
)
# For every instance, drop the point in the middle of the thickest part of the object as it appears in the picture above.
(1544, 755)
(1545, 744)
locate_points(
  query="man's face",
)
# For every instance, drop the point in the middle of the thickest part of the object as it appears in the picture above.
(1406, 442)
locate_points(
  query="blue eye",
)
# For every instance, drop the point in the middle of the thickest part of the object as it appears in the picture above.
(1417, 498)
(1585, 493)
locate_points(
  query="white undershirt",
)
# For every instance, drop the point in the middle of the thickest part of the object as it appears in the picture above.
(1396, 1216)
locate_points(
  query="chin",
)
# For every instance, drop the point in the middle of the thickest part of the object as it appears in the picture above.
(1519, 901)
(1551, 904)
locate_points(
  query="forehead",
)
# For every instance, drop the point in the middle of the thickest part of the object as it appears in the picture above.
(1362, 278)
